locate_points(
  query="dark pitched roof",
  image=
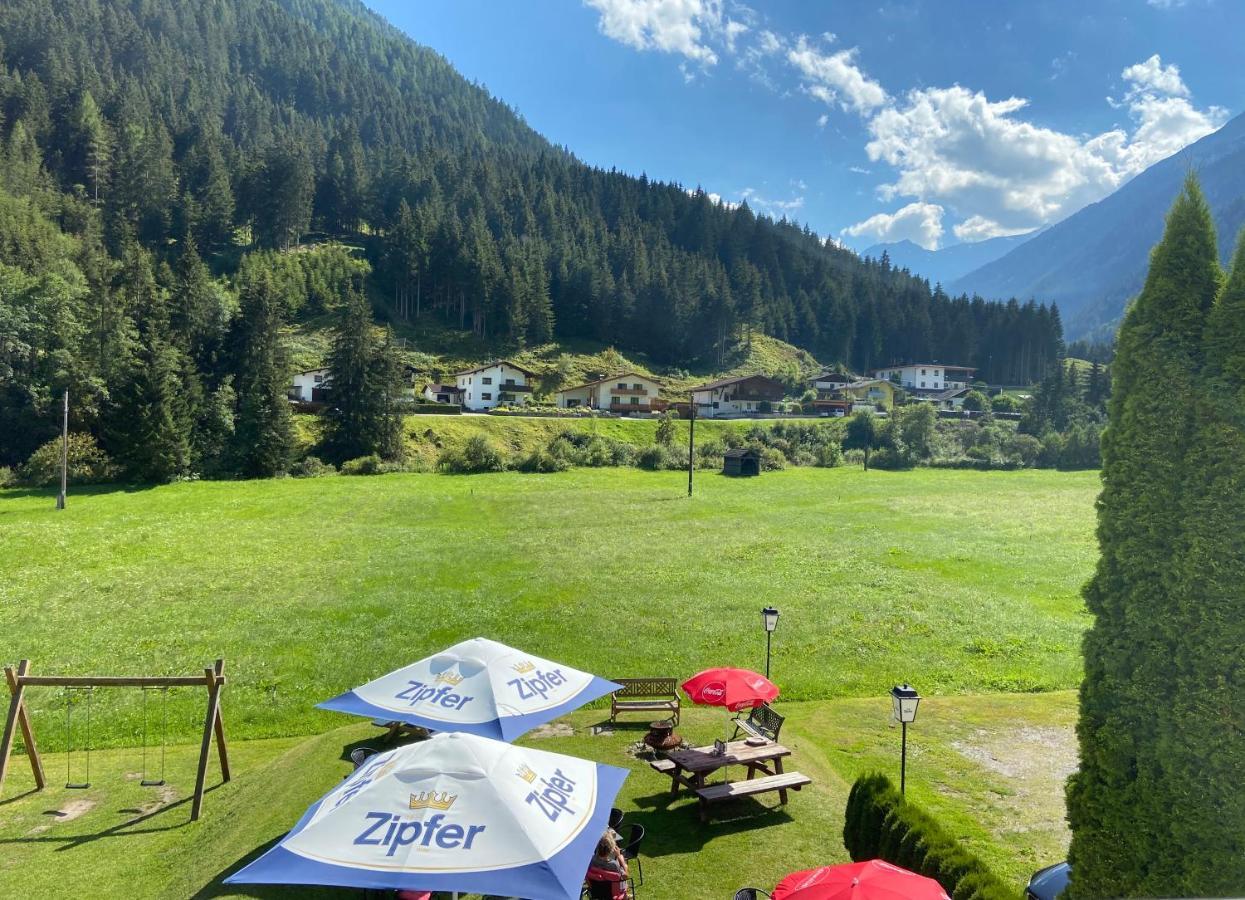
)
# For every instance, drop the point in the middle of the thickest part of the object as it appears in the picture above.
(723, 382)
(443, 388)
(497, 362)
(580, 387)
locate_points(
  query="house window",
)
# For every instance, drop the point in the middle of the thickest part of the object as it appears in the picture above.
(622, 385)
(486, 396)
(922, 371)
(922, 384)
(635, 401)
(486, 381)
(637, 387)
(318, 378)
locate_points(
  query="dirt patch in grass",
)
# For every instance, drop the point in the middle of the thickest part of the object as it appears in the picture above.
(1046, 754)
(552, 730)
(72, 810)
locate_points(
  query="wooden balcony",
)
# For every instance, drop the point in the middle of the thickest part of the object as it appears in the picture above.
(629, 392)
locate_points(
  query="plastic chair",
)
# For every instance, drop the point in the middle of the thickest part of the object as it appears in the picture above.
(632, 849)
(750, 894)
(616, 817)
(360, 755)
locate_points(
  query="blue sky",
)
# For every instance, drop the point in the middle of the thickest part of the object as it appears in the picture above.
(938, 121)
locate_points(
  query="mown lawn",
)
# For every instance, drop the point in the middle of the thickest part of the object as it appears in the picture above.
(125, 840)
(958, 581)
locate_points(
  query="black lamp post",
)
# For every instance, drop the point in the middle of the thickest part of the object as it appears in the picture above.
(904, 700)
(691, 442)
(769, 616)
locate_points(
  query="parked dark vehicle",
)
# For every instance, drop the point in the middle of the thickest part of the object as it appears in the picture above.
(1048, 883)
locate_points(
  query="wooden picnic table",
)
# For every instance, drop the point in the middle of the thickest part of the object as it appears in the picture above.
(689, 768)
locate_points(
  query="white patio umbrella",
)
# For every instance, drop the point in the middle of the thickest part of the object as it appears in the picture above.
(477, 686)
(454, 813)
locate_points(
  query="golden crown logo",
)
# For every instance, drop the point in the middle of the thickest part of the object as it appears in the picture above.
(526, 774)
(449, 678)
(524, 667)
(431, 800)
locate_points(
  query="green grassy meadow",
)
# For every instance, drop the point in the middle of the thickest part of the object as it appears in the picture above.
(965, 583)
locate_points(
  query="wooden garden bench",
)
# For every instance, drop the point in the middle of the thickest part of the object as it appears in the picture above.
(781, 782)
(646, 695)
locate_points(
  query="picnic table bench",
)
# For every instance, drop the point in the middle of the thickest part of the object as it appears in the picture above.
(646, 695)
(689, 768)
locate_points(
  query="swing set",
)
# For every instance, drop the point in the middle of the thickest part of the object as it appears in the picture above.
(19, 678)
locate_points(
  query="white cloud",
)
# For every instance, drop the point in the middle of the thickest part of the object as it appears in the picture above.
(696, 29)
(769, 43)
(775, 208)
(823, 120)
(835, 77)
(1152, 75)
(1167, 4)
(979, 228)
(978, 157)
(920, 223)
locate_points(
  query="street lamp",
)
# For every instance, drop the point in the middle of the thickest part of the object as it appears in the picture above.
(769, 617)
(904, 701)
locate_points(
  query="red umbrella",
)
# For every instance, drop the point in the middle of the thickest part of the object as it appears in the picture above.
(872, 880)
(735, 689)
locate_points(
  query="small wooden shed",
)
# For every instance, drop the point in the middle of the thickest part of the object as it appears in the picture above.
(742, 461)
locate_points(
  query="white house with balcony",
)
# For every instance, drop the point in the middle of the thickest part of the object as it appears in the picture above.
(926, 376)
(310, 386)
(744, 395)
(493, 384)
(629, 392)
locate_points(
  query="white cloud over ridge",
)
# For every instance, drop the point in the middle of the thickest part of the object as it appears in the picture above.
(955, 152)
(920, 223)
(686, 27)
(835, 78)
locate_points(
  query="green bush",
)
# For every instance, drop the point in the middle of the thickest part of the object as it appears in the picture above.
(543, 461)
(8, 478)
(363, 465)
(653, 457)
(313, 467)
(88, 464)
(479, 454)
(880, 824)
(772, 460)
(433, 409)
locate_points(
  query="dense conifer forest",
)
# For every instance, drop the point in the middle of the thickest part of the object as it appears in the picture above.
(165, 164)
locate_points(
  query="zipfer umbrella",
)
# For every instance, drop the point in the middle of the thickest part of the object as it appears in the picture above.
(872, 880)
(735, 689)
(456, 812)
(478, 687)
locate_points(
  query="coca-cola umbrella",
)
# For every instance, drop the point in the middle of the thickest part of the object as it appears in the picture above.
(872, 880)
(735, 689)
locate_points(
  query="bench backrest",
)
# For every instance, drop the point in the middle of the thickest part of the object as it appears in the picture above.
(764, 720)
(647, 687)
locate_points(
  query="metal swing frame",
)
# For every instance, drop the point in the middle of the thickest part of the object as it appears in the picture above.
(19, 678)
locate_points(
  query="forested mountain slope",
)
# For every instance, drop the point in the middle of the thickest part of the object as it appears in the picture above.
(161, 159)
(1093, 262)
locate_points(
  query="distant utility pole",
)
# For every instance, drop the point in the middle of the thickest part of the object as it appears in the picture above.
(691, 444)
(60, 499)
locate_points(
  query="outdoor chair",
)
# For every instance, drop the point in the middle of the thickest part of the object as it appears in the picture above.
(750, 894)
(601, 884)
(360, 755)
(616, 817)
(762, 722)
(631, 852)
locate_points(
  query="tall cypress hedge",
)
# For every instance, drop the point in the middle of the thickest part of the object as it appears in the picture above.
(1147, 662)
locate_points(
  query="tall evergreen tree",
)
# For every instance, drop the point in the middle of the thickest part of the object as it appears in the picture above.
(264, 432)
(1120, 802)
(1205, 753)
(364, 388)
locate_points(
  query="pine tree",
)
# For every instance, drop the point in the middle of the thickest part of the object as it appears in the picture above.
(282, 193)
(150, 434)
(1205, 753)
(1121, 801)
(93, 145)
(364, 388)
(264, 433)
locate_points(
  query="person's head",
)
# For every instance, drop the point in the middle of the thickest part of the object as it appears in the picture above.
(605, 846)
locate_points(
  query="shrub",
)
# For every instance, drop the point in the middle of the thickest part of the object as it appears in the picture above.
(312, 467)
(665, 429)
(479, 454)
(88, 464)
(543, 461)
(830, 455)
(371, 464)
(803, 458)
(772, 460)
(8, 478)
(880, 824)
(765, 406)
